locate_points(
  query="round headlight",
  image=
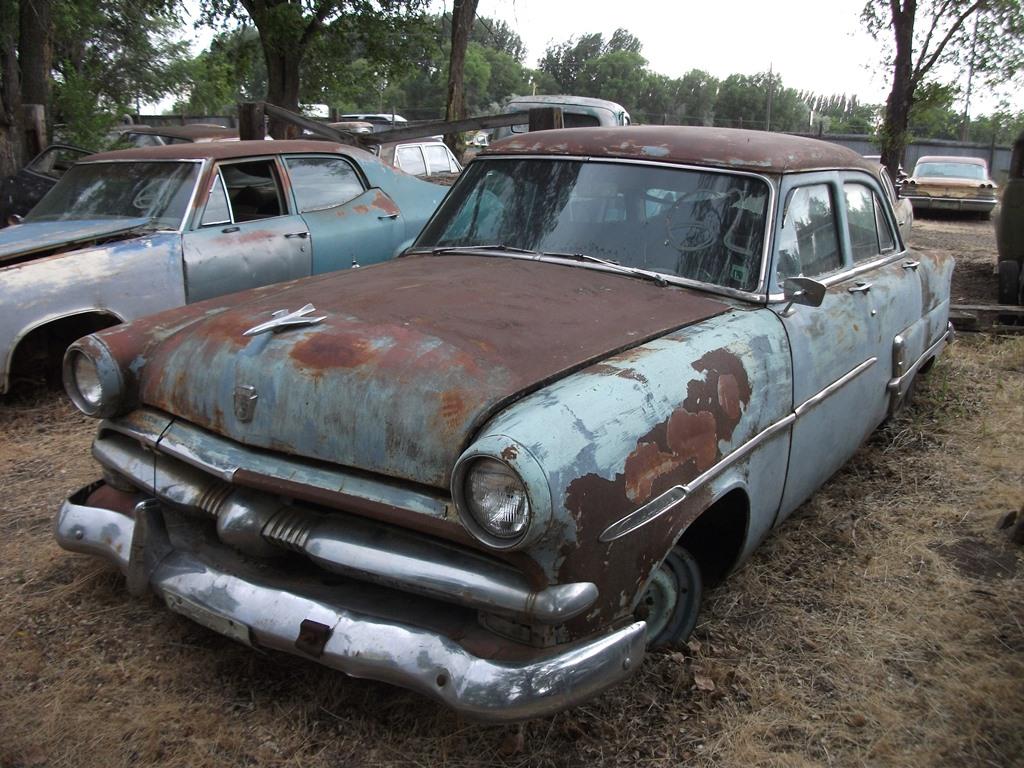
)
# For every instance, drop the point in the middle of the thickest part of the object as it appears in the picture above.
(92, 378)
(496, 498)
(86, 379)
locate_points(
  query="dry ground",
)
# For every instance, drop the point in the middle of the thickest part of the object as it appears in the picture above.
(882, 626)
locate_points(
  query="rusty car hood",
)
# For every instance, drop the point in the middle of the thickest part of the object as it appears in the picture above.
(31, 237)
(411, 359)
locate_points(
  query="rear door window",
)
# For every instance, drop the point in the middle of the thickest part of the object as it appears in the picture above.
(870, 235)
(322, 182)
(438, 159)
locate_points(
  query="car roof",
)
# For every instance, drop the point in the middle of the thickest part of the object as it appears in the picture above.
(950, 159)
(190, 131)
(226, 150)
(758, 151)
(582, 101)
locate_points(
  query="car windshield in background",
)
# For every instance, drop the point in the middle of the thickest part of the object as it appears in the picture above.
(951, 171)
(122, 190)
(703, 226)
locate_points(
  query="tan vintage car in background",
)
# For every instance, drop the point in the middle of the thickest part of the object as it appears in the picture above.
(950, 184)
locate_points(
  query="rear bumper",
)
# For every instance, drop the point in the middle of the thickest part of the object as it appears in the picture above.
(925, 203)
(256, 607)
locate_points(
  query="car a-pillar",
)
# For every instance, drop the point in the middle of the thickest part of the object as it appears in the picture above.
(703, 556)
(39, 354)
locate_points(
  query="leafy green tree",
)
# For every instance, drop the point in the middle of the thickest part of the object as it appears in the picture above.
(923, 36)
(289, 29)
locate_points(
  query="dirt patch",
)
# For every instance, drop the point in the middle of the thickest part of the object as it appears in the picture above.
(978, 559)
(972, 242)
(861, 633)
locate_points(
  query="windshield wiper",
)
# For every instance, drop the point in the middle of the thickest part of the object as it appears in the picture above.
(655, 276)
(491, 247)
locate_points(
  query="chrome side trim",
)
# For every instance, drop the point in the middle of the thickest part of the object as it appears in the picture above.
(674, 496)
(254, 607)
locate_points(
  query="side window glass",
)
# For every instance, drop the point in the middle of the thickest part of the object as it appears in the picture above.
(437, 158)
(253, 190)
(869, 230)
(410, 160)
(217, 210)
(322, 182)
(808, 241)
(885, 236)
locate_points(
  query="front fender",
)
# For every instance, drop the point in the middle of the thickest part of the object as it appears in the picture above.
(619, 435)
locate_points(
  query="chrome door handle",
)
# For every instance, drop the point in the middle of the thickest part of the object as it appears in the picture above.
(860, 287)
(297, 234)
(229, 229)
(388, 216)
(911, 264)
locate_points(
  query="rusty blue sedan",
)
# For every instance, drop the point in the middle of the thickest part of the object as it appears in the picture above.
(128, 233)
(497, 469)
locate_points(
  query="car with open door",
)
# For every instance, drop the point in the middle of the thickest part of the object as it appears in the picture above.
(128, 233)
(498, 469)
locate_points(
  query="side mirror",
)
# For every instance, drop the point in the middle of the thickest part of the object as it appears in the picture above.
(802, 290)
(13, 219)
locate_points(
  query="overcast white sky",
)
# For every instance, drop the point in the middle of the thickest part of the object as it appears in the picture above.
(816, 45)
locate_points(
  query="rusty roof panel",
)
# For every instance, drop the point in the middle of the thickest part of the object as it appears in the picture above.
(227, 150)
(758, 151)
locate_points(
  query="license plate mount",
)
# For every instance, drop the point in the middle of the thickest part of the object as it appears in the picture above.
(209, 618)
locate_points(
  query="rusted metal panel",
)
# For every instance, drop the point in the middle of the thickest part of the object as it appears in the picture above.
(398, 386)
(756, 151)
(227, 150)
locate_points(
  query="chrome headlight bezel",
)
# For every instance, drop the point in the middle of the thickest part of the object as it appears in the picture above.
(523, 465)
(109, 378)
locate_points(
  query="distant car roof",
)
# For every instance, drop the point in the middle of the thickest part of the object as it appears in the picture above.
(226, 150)
(951, 159)
(192, 131)
(757, 151)
(584, 101)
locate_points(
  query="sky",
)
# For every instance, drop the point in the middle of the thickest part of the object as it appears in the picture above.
(816, 45)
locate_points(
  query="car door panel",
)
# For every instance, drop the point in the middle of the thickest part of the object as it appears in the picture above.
(240, 246)
(363, 231)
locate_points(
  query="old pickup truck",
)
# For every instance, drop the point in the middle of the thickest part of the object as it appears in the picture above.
(497, 469)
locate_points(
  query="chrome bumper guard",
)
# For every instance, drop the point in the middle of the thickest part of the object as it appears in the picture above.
(899, 383)
(252, 609)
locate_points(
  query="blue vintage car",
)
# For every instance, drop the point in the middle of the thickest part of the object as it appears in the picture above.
(128, 233)
(497, 469)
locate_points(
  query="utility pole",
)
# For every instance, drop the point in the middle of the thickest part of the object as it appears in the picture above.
(771, 89)
(965, 123)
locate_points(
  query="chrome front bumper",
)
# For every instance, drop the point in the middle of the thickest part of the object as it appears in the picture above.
(249, 605)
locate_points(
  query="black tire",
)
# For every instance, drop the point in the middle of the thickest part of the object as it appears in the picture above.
(1009, 281)
(670, 621)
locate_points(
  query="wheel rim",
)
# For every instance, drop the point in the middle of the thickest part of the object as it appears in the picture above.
(659, 601)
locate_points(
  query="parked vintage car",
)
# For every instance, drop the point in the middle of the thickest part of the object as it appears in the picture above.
(159, 135)
(18, 193)
(498, 468)
(577, 112)
(941, 183)
(1010, 230)
(423, 157)
(128, 233)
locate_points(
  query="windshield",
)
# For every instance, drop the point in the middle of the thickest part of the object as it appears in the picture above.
(687, 223)
(126, 190)
(951, 171)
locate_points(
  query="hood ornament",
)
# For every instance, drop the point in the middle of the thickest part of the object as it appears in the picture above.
(285, 319)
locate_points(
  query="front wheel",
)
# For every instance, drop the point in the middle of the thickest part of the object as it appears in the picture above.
(671, 602)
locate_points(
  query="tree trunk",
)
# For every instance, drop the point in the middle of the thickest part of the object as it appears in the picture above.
(35, 52)
(283, 87)
(10, 97)
(895, 126)
(463, 14)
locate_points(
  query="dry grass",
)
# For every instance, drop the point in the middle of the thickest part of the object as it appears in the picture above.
(882, 626)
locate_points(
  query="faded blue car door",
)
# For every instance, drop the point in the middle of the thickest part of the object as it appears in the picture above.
(349, 222)
(834, 348)
(246, 234)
